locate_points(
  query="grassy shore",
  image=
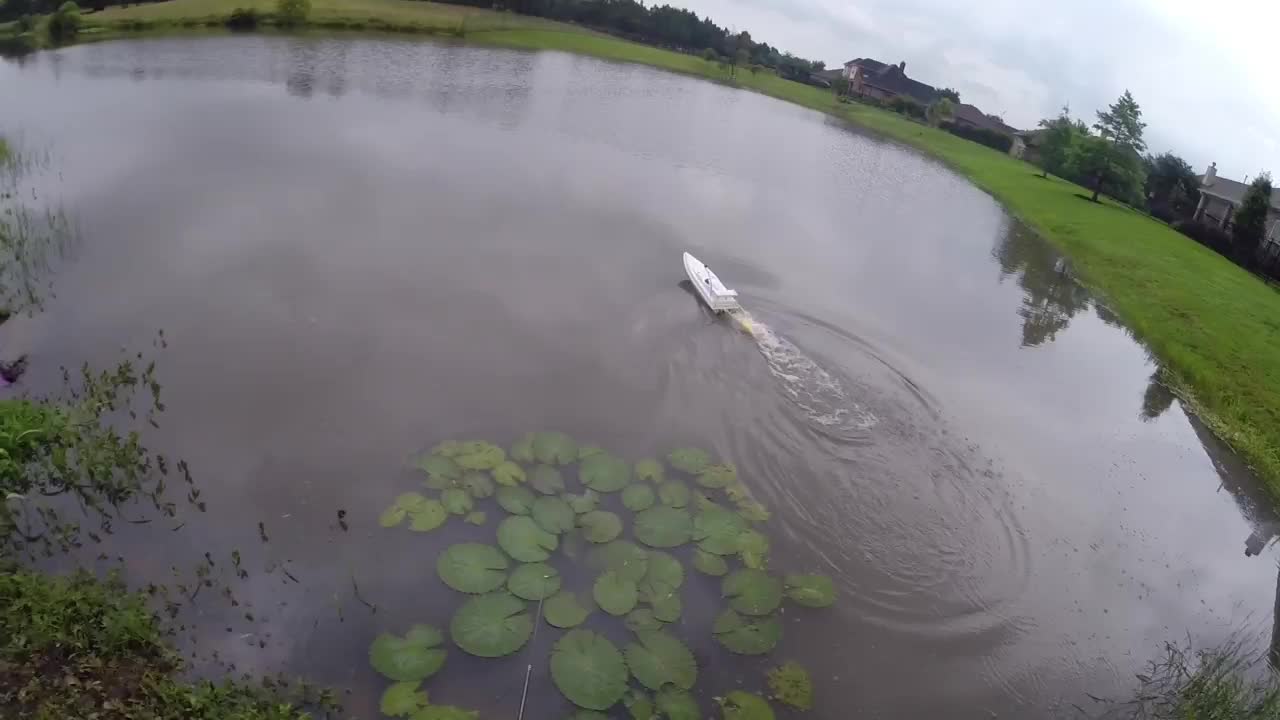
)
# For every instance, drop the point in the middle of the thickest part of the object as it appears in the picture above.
(1214, 327)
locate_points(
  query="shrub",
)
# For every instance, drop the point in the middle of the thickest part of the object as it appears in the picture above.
(25, 24)
(906, 106)
(243, 19)
(982, 136)
(710, 55)
(18, 45)
(65, 23)
(292, 13)
(1211, 236)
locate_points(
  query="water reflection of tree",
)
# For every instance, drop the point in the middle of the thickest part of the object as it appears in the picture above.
(1052, 296)
(32, 236)
(1157, 399)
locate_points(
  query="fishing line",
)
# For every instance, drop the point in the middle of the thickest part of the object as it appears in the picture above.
(528, 670)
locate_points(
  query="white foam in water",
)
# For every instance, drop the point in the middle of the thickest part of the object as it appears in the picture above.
(812, 389)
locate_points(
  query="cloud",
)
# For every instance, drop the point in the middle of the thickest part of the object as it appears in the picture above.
(1201, 73)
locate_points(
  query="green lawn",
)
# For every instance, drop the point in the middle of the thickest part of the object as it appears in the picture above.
(1215, 327)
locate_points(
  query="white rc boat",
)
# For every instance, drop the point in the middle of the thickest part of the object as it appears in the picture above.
(718, 297)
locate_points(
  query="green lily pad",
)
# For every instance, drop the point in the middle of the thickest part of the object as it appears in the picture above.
(563, 610)
(748, 507)
(424, 514)
(690, 460)
(746, 636)
(554, 448)
(642, 620)
(639, 705)
(582, 503)
(718, 476)
(717, 529)
(664, 527)
(440, 466)
(815, 591)
(476, 518)
(546, 480)
(516, 500)
(440, 482)
(752, 592)
(660, 659)
(639, 496)
(604, 473)
(650, 469)
(664, 568)
(589, 670)
(600, 526)
(790, 684)
(677, 704)
(753, 548)
(709, 563)
(663, 599)
(522, 451)
(508, 474)
(523, 540)
(534, 581)
(429, 517)
(623, 557)
(456, 501)
(400, 509)
(553, 514)
(588, 715)
(586, 451)
(478, 484)
(479, 455)
(472, 568)
(403, 699)
(447, 448)
(615, 595)
(739, 705)
(444, 712)
(673, 493)
(411, 658)
(491, 625)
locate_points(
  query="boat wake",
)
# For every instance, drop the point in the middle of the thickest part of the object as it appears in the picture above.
(811, 388)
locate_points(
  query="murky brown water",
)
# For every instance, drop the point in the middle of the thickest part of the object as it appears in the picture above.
(358, 248)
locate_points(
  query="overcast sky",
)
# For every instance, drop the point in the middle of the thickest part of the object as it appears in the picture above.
(1203, 72)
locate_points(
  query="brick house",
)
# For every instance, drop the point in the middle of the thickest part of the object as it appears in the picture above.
(881, 81)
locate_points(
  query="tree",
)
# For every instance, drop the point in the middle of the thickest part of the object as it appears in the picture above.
(739, 58)
(841, 86)
(1105, 166)
(710, 55)
(1061, 133)
(292, 13)
(939, 111)
(1122, 123)
(1170, 178)
(1250, 221)
(950, 94)
(65, 23)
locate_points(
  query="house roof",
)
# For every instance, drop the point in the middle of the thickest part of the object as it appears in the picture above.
(831, 74)
(891, 78)
(974, 116)
(868, 63)
(1233, 191)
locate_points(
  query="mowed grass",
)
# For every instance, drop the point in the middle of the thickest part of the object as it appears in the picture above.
(1214, 327)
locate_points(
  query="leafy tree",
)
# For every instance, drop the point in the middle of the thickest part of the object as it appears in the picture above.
(739, 58)
(1169, 177)
(1122, 123)
(939, 111)
(1250, 221)
(1105, 166)
(1061, 133)
(710, 55)
(841, 86)
(25, 24)
(292, 13)
(65, 23)
(950, 94)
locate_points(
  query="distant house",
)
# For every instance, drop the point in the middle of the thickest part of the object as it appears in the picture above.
(1032, 145)
(881, 81)
(1220, 198)
(970, 117)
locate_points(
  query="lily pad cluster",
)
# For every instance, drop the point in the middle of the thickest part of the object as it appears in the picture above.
(640, 531)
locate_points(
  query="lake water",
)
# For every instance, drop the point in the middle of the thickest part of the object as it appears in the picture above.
(357, 248)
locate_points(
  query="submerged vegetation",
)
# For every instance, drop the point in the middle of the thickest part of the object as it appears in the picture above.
(1202, 684)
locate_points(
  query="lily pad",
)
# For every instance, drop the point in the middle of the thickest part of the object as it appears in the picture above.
(718, 476)
(752, 592)
(790, 684)
(588, 715)
(753, 548)
(554, 447)
(478, 484)
(444, 712)
(747, 636)
(508, 474)
(650, 469)
(739, 705)
(673, 493)
(690, 460)
(660, 659)
(516, 500)
(523, 540)
(614, 594)
(411, 658)
(522, 451)
(583, 502)
(623, 557)
(815, 591)
(546, 480)
(563, 610)
(400, 509)
(589, 670)
(665, 569)
(600, 526)
(480, 455)
(456, 501)
(709, 563)
(553, 514)
(717, 529)
(663, 599)
(604, 473)
(424, 513)
(534, 581)
(472, 568)
(447, 448)
(639, 496)
(476, 518)
(491, 625)
(639, 705)
(586, 451)
(676, 704)
(664, 527)
(440, 466)
(642, 620)
(403, 699)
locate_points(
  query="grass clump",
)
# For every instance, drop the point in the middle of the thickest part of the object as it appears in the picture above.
(1186, 684)
(790, 684)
